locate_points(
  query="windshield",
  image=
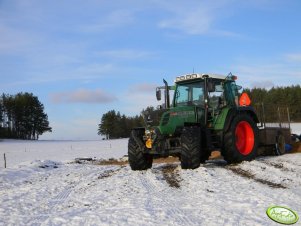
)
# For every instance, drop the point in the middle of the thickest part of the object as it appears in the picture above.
(189, 94)
(216, 98)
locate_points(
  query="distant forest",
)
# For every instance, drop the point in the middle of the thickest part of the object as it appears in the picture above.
(282, 97)
(22, 116)
(114, 125)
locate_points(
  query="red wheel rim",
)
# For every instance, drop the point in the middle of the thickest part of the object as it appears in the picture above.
(244, 137)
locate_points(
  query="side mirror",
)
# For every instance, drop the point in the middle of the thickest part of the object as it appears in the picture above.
(158, 94)
(210, 86)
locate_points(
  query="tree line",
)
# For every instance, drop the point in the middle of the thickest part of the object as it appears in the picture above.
(114, 125)
(22, 116)
(278, 97)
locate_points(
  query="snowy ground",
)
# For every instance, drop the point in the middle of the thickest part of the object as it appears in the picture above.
(23, 152)
(58, 191)
(53, 193)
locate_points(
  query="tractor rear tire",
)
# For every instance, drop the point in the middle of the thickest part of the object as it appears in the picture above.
(138, 160)
(191, 147)
(241, 140)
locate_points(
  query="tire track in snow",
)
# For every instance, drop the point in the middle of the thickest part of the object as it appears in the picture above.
(290, 171)
(247, 174)
(62, 196)
(58, 199)
(273, 172)
(282, 165)
(154, 192)
(109, 173)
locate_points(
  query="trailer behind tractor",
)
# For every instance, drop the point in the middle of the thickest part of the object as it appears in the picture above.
(207, 113)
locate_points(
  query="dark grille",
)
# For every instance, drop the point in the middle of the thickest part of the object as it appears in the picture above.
(165, 119)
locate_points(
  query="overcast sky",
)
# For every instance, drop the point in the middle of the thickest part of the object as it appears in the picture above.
(84, 58)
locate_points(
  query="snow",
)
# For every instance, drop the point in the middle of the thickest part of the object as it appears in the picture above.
(56, 193)
(296, 128)
(23, 152)
(44, 186)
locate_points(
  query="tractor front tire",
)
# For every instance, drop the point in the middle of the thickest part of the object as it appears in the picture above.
(241, 139)
(191, 147)
(138, 160)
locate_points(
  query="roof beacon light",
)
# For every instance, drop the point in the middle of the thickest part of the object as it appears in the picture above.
(234, 77)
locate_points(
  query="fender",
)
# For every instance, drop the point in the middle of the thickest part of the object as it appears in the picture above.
(240, 110)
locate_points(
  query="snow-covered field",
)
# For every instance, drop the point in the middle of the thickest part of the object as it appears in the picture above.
(53, 193)
(23, 152)
(43, 186)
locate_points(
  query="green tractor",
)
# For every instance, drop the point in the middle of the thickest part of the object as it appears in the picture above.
(206, 114)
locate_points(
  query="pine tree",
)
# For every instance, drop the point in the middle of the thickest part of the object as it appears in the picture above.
(23, 116)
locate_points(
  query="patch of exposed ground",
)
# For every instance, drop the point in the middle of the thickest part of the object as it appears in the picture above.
(102, 162)
(108, 173)
(169, 159)
(171, 175)
(121, 162)
(296, 147)
(124, 161)
(117, 162)
(249, 175)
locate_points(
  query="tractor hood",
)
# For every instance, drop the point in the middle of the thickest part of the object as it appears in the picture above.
(176, 117)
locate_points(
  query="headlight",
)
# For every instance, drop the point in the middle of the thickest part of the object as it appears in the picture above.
(148, 138)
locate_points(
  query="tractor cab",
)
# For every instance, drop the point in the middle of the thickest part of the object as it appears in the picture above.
(198, 98)
(202, 92)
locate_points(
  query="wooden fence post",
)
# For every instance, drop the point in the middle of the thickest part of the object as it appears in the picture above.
(4, 160)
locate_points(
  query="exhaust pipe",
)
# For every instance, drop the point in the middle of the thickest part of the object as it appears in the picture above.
(166, 96)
